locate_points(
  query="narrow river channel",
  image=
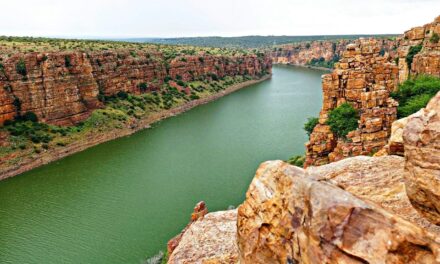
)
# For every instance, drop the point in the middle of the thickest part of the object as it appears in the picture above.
(121, 201)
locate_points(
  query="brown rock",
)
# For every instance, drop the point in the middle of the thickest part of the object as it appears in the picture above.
(200, 210)
(422, 152)
(289, 218)
(210, 240)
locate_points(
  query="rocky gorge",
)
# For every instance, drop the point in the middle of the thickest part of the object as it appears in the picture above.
(64, 88)
(381, 209)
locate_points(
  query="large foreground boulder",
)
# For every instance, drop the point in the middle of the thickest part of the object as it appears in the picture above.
(291, 218)
(422, 151)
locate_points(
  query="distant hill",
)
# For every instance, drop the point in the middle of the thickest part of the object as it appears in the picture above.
(246, 41)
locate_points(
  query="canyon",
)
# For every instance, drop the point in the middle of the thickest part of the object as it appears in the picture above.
(341, 208)
(62, 88)
(365, 79)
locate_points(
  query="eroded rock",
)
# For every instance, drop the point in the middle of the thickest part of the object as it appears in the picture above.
(209, 240)
(290, 218)
(422, 152)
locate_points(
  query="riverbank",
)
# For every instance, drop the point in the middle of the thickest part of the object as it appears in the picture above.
(306, 66)
(51, 155)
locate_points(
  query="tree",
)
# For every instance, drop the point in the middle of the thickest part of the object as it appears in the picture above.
(343, 119)
(310, 125)
(20, 67)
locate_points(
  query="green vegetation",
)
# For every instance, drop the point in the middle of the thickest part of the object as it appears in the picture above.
(434, 38)
(21, 67)
(411, 53)
(310, 125)
(297, 160)
(67, 61)
(321, 62)
(246, 41)
(415, 94)
(343, 119)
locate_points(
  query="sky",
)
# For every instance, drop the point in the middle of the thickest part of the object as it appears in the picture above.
(189, 18)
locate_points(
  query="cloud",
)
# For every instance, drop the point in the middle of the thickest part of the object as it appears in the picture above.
(173, 18)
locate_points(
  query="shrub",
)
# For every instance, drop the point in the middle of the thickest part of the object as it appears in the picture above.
(143, 87)
(67, 61)
(297, 161)
(343, 119)
(20, 67)
(30, 116)
(310, 125)
(434, 38)
(415, 93)
(17, 104)
(411, 53)
(122, 95)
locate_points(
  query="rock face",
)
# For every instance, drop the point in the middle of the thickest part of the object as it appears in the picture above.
(303, 53)
(422, 152)
(62, 87)
(290, 218)
(427, 61)
(209, 240)
(364, 79)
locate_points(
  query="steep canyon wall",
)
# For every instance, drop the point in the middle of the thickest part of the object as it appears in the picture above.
(364, 77)
(62, 87)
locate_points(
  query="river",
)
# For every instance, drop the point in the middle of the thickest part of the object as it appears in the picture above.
(121, 201)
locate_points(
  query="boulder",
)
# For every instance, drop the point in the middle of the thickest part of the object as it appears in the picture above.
(422, 167)
(209, 240)
(288, 217)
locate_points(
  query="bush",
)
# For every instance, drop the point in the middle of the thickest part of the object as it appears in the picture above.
(343, 119)
(143, 87)
(435, 38)
(67, 61)
(297, 161)
(310, 125)
(30, 116)
(414, 94)
(20, 67)
(411, 53)
(122, 95)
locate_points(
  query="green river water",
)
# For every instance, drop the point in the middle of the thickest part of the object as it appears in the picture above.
(121, 201)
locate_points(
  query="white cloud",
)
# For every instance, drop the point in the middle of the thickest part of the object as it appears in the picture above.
(174, 18)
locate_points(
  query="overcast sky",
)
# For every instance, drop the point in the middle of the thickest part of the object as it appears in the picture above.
(178, 18)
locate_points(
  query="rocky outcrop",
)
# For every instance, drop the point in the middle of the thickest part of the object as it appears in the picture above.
(427, 60)
(291, 218)
(200, 210)
(364, 79)
(62, 87)
(422, 152)
(304, 53)
(209, 240)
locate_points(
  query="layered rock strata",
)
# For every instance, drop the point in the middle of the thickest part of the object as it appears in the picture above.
(422, 167)
(363, 79)
(303, 53)
(427, 60)
(62, 87)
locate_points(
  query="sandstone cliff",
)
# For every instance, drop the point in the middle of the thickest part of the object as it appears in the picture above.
(364, 78)
(62, 87)
(322, 53)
